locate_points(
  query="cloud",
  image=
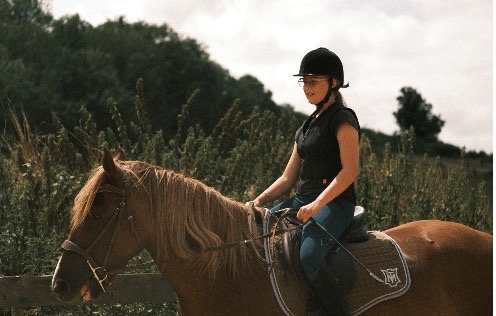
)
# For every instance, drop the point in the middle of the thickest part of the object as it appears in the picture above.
(442, 49)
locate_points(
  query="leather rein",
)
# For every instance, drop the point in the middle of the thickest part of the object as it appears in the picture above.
(100, 273)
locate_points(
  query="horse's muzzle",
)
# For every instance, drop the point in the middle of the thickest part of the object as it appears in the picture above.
(62, 290)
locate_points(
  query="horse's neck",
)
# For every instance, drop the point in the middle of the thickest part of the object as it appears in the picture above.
(224, 293)
(197, 288)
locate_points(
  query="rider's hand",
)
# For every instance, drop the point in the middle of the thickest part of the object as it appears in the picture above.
(308, 211)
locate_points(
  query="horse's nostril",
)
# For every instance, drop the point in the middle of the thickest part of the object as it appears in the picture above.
(60, 286)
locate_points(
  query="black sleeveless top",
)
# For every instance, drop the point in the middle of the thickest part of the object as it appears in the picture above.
(318, 148)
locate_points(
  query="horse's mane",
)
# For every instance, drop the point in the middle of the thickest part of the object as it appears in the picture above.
(193, 218)
(189, 217)
(84, 199)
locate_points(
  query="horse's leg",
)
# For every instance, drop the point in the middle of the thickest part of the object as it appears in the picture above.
(451, 270)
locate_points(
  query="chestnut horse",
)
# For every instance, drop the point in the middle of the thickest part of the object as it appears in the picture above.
(128, 206)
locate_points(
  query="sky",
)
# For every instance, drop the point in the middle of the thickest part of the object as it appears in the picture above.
(443, 49)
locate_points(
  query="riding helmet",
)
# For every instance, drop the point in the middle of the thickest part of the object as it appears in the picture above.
(322, 61)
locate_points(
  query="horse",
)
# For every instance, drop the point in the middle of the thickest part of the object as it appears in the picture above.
(194, 233)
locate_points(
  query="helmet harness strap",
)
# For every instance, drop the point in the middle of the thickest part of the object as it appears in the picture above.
(328, 95)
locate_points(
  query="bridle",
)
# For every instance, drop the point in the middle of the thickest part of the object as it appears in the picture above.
(100, 272)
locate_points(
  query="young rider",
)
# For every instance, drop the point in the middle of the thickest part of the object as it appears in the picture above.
(325, 159)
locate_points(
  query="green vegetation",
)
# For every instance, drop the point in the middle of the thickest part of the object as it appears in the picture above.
(41, 174)
(61, 66)
(68, 88)
(49, 65)
(415, 112)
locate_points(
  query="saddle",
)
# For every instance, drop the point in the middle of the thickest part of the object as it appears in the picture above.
(357, 286)
(291, 242)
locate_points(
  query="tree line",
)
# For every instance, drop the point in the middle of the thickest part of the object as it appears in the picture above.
(51, 68)
(56, 66)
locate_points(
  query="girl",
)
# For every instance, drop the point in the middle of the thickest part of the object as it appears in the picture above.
(326, 161)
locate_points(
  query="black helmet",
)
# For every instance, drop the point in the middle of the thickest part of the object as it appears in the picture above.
(322, 61)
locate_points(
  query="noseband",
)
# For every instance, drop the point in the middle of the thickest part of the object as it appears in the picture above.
(99, 271)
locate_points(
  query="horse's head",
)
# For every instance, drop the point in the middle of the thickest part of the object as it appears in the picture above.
(109, 227)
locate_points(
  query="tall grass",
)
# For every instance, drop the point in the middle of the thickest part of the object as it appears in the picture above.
(400, 187)
(41, 174)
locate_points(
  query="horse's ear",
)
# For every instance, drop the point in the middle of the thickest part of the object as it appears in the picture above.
(109, 163)
(119, 154)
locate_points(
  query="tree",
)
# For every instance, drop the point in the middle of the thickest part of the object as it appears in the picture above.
(415, 111)
(57, 66)
(24, 11)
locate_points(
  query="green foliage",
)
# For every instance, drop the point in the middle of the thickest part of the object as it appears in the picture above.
(50, 65)
(402, 187)
(420, 147)
(415, 112)
(228, 134)
(41, 174)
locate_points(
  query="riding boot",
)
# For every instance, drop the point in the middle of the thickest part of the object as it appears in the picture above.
(313, 305)
(333, 302)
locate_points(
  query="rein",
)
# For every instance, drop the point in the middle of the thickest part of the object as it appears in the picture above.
(102, 275)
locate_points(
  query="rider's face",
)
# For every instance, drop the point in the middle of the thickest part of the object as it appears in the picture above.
(315, 88)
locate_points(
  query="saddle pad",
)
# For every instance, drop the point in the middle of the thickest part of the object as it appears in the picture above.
(380, 254)
(383, 256)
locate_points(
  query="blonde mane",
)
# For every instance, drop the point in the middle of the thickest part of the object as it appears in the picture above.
(192, 218)
(84, 199)
(189, 217)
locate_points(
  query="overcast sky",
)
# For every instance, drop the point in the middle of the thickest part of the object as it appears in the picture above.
(443, 49)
